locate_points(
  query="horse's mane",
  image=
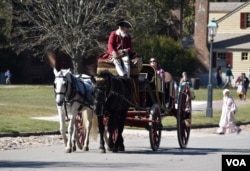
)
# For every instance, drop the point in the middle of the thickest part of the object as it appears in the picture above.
(105, 74)
(59, 59)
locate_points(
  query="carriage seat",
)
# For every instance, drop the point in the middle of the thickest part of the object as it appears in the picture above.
(105, 64)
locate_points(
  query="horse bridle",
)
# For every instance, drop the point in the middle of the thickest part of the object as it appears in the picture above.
(62, 93)
(71, 94)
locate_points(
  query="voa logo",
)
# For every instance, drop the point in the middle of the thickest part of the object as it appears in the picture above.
(236, 162)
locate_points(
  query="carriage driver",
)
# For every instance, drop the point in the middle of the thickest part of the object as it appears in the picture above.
(119, 48)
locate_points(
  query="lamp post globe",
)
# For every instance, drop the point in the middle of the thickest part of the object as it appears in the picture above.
(212, 30)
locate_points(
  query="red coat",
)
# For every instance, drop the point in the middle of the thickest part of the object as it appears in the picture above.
(115, 43)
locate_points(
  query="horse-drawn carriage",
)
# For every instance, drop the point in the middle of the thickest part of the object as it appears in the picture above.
(154, 98)
(141, 101)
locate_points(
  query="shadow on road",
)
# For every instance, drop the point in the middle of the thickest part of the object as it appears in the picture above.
(41, 164)
(188, 151)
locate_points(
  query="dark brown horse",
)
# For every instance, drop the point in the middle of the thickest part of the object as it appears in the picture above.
(112, 94)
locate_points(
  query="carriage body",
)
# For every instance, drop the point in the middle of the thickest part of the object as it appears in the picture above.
(155, 98)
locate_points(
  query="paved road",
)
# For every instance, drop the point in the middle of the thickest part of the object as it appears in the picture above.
(203, 154)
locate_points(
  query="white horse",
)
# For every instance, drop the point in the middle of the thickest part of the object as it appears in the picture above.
(73, 94)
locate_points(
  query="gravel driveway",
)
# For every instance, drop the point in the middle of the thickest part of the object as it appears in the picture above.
(11, 143)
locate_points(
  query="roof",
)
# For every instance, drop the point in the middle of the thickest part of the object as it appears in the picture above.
(234, 11)
(232, 41)
(224, 6)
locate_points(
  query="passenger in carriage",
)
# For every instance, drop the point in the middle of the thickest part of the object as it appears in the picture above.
(154, 63)
(119, 48)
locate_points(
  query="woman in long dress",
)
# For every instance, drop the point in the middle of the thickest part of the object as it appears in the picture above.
(227, 121)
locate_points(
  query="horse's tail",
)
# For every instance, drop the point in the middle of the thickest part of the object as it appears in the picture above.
(90, 122)
(94, 129)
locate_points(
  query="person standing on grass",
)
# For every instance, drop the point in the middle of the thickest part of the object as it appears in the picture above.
(8, 75)
(219, 76)
(227, 121)
(229, 74)
(240, 90)
(245, 84)
(244, 81)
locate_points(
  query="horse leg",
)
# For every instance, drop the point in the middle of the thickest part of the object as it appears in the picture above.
(87, 124)
(74, 134)
(120, 141)
(101, 131)
(61, 114)
(71, 128)
(111, 138)
(112, 127)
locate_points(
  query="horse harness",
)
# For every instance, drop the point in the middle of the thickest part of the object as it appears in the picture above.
(72, 89)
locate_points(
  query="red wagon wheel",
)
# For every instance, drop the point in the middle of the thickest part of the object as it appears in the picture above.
(80, 132)
(184, 115)
(155, 127)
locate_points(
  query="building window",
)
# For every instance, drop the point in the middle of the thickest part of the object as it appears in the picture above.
(221, 56)
(244, 20)
(220, 59)
(244, 56)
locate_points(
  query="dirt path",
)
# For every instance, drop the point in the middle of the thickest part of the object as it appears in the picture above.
(11, 143)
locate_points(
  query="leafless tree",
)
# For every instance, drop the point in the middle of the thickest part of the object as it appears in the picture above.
(74, 25)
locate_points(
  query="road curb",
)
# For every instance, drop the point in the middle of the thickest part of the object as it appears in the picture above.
(27, 134)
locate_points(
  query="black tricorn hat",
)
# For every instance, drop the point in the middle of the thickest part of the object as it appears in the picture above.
(124, 23)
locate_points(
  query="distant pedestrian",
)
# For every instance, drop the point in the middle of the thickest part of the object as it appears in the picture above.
(244, 81)
(185, 80)
(219, 77)
(8, 76)
(227, 121)
(245, 84)
(229, 74)
(241, 90)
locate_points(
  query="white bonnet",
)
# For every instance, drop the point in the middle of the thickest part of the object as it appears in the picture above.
(225, 91)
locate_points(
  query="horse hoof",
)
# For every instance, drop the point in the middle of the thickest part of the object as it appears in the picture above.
(110, 149)
(121, 148)
(86, 149)
(115, 150)
(101, 150)
(74, 148)
(68, 150)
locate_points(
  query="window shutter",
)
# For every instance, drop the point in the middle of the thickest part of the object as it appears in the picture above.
(214, 60)
(229, 59)
(243, 20)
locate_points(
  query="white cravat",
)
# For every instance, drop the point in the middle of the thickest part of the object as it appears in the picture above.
(122, 33)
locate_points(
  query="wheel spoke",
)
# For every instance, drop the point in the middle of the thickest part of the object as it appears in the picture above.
(184, 116)
(155, 127)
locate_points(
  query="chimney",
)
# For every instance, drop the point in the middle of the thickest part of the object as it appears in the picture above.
(200, 33)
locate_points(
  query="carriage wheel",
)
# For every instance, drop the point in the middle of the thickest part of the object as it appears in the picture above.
(155, 127)
(184, 115)
(80, 133)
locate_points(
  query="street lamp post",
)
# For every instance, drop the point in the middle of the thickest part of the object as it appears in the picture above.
(212, 30)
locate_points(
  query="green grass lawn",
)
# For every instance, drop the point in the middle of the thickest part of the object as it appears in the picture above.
(201, 94)
(18, 103)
